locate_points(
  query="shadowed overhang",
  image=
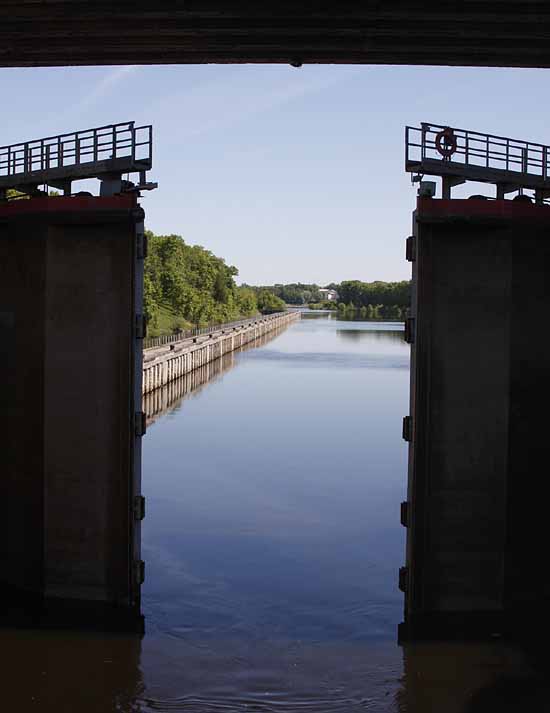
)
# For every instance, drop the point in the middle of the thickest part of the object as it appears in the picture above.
(96, 32)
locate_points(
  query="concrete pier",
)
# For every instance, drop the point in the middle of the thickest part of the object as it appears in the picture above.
(161, 365)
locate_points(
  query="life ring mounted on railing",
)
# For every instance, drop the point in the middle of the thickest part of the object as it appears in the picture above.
(445, 142)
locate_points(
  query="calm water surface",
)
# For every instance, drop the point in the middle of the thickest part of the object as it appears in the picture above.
(272, 544)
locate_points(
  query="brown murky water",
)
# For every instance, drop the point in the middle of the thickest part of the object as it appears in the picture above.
(272, 543)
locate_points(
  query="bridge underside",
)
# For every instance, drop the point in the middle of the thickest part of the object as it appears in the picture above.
(78, 32)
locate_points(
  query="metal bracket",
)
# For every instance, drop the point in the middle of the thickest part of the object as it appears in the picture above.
(141, 244)
(140, 423)
(407, 430)
(141, 326)
(139, 571)
(410, 248)
(403, 577)
(139, 507)
(404, 514)
(409, 330)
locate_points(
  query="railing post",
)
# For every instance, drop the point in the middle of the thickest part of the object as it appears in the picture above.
(423, 142)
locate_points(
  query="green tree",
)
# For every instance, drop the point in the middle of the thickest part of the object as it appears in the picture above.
(189, 285)
(269, 302)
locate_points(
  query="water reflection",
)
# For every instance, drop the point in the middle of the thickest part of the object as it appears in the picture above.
(357, 335)
(169, 397)
(272, 544)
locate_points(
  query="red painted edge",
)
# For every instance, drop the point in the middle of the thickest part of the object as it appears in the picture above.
(471, 208)
(67, 204)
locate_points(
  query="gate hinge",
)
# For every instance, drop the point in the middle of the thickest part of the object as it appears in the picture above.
(407, 430)
(141, 244)
(138, 214)
(139, 571)
(140, 423)
(141, 326)
(409, 330)
(410, 248)
(139, 507)
(403, 575)
(405, 513)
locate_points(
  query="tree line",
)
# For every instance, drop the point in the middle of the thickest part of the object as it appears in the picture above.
(187, 285)
(351, 293)
(294, 293)
(386, 294)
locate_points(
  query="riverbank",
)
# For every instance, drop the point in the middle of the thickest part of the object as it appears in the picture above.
(163, 364)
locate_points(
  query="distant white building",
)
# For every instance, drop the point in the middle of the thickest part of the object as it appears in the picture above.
(329, 295)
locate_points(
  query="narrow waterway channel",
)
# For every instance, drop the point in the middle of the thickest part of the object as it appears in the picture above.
(272, 544)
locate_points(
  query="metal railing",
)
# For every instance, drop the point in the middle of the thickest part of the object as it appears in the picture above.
(80, 148)
(163, 340)
(480, 150)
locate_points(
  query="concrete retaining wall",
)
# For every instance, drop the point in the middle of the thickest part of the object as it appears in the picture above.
(162, 365)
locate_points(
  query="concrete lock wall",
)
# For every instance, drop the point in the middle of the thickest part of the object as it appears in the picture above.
(164, 364)
(477, 426)
(70, 343)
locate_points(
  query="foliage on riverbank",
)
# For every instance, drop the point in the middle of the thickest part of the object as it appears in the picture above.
(373, 311)
(374, 300)
(365, 294)
(294, 293)
(187, 285)
(350, 292)
(325, 304)
(269, 302)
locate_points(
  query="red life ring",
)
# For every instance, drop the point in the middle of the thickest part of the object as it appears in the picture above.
(445, 142)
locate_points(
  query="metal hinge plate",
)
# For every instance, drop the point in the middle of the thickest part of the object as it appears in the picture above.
(141, 326)
(410, 248)
(139, 507)
(142, 245)
(407, 428)
(140, 423)
(139, 571)
(409, 330)
(403, 576)
(405, 513)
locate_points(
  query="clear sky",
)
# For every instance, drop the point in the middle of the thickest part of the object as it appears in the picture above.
(289, 174)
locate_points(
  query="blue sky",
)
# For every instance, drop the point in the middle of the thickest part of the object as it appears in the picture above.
(290, 174)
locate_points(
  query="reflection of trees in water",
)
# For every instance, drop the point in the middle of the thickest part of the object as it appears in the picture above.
(317, 315)
(356, 335)
(169, 397)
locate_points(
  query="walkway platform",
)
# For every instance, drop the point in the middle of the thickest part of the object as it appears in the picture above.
(460, 155)
(105, 152)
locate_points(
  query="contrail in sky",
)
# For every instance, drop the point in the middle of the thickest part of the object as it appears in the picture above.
(103, 87)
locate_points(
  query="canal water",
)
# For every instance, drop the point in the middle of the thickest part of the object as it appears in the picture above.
(272, 545)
